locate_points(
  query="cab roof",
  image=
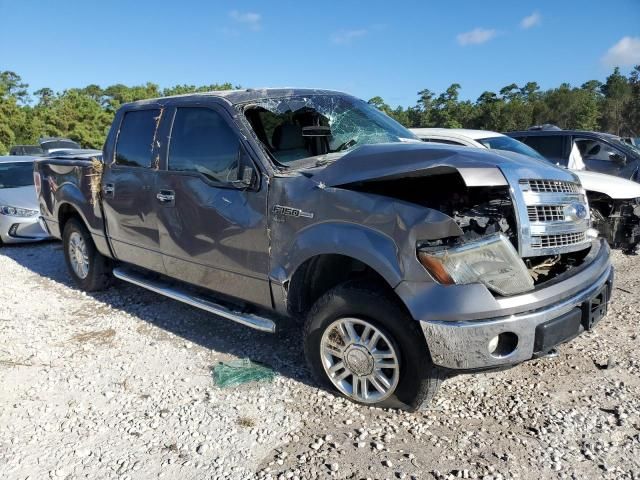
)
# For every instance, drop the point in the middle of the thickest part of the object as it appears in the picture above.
(235, 97)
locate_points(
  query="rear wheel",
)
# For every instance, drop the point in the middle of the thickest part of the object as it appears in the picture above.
(88, 267)
(362, 344)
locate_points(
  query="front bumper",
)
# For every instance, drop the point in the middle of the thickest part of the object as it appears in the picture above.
(21, 229)
(465, 345)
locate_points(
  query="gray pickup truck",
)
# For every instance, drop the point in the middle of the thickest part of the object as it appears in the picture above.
(407, 262)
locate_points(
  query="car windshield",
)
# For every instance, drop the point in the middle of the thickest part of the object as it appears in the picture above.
(14, 175)
(511, 145)
(320, 127)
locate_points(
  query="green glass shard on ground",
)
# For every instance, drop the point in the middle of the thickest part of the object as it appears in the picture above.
(242, 370)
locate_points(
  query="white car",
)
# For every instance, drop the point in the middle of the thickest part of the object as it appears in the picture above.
(19, 209)
(614, 201)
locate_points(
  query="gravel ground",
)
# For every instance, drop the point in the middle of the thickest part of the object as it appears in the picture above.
(118, 385)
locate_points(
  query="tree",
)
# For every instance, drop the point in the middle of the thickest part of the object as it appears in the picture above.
(617, 94)
(632, 110)
(12, 86)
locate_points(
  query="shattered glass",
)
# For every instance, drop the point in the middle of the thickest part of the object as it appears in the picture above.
(239, 371)
(285, 127)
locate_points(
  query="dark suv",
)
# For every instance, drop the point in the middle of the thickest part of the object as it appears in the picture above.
(601, 152)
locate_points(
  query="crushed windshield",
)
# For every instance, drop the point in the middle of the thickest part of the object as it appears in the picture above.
(316, 126)
(511, 145)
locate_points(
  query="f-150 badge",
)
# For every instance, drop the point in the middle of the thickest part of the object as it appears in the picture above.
(291, 212)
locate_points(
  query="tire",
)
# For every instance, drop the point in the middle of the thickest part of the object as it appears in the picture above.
(97, 275)
(416, 379)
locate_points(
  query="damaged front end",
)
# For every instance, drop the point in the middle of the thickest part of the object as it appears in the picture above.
(617, 220)
(514, 234)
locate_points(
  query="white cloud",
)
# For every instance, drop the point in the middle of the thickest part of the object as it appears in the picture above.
(346, 37)
(625, 53)
(531, 20)
(476, 36)
(250, 19)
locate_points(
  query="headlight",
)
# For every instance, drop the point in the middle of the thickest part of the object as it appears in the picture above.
(17, 212)
(491, 261)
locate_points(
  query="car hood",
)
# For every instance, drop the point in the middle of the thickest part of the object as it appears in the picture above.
(477, 166)
(22, 197)
(614, 187)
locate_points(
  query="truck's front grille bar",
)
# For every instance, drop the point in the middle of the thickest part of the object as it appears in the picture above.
(560, 240)
(546, 213)
(549, 186)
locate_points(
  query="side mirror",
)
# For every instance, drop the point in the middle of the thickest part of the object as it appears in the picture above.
(246, 177)
(618, 158)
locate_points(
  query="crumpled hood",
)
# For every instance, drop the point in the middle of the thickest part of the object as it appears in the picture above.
(21, 197)
(476, 166)
(615, 187)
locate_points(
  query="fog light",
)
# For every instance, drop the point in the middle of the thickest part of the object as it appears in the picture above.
(503, 344)
(592, 233)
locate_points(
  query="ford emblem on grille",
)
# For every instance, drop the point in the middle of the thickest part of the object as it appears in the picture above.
(581, 211)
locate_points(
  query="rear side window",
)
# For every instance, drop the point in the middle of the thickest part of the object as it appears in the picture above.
(135, 140)
(202, 142)
(550, 147)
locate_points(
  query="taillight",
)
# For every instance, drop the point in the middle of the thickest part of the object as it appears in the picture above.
(37, 182)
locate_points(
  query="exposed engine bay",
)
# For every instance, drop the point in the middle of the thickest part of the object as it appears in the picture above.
(480, 212)
(617, 220)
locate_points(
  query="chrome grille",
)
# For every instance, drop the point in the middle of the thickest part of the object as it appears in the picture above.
(560, 240)
(549, 186)
(546, 213)
(543, 206)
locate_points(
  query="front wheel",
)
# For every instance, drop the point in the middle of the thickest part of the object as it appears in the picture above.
(360, 342)
(88, 267)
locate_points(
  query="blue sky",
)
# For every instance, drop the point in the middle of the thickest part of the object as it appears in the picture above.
(391, 49)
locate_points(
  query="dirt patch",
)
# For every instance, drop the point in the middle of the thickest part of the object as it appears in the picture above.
(97, 337)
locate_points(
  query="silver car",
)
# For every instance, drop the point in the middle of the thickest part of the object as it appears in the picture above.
(19, 209)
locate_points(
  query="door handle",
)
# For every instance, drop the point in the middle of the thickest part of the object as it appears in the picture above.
(165, 196)
(108, 189)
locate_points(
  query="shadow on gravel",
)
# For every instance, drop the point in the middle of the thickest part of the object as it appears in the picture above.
(281, 351)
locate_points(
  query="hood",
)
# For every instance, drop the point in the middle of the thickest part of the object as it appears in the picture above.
(477, 166)
(615, 187)
(21, 197)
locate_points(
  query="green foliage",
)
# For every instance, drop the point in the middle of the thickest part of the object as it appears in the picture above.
(81, 114)
(610, 107)
(85, 114)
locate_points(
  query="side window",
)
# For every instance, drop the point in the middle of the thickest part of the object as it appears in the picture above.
(550, 147)
(592, 149)
(134, 146)
(201, 141)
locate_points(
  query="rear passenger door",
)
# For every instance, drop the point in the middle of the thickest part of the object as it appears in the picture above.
(212, 225)
(552, 147)
(128, 191)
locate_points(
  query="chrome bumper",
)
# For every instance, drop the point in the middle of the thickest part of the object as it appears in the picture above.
(465, 345)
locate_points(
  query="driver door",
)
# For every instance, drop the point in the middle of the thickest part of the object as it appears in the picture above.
(211, 207)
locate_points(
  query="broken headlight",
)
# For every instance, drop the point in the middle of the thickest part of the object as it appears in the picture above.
(492, 261)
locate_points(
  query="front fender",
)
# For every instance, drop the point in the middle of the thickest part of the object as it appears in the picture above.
(369, 246)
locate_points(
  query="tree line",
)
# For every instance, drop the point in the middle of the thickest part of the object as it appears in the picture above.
(85, 114)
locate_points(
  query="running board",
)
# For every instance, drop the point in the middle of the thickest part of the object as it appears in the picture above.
(157, 286)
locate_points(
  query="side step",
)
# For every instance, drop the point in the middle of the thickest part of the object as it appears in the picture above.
(157, 286)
